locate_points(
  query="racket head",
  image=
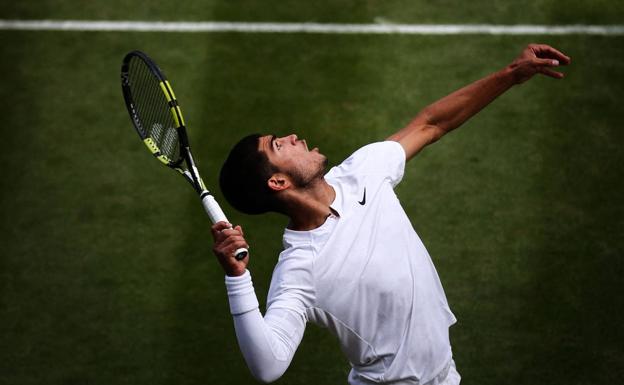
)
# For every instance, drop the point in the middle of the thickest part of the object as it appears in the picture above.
(153, 108)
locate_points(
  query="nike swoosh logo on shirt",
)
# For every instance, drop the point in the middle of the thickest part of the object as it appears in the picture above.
(363, 201)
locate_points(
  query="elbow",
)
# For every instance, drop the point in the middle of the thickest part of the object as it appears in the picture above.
(266, 375)
(267, 368)
(438, 133)
(267, 371)
(260, 377)
(433, 133)
(434, 128)
(425, 117)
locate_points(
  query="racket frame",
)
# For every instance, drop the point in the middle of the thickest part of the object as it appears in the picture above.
(191, 174)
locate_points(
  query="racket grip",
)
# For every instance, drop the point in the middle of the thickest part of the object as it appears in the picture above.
(216, 215)
(240, 253)
(213, 209)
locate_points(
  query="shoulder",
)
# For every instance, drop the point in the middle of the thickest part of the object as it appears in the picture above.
(374, 150)
(294, 263)
(385, 158)
(293, 278)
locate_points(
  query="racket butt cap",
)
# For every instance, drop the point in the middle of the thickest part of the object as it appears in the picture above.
(240, 254)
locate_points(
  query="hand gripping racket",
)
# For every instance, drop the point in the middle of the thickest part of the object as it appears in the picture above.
(157, 118)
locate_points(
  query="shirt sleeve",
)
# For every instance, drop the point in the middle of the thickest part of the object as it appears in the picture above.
(386, 159)
(268, 343)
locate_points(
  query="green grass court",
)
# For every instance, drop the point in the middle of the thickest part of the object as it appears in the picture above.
(106, 269)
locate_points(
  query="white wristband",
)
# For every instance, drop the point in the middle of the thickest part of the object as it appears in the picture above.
(241, 294)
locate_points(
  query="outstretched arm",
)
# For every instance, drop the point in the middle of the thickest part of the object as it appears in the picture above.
(453, 110)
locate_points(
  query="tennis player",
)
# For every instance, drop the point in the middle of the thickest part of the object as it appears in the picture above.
(352, 261)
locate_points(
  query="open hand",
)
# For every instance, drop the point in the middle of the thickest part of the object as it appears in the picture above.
(538, 58)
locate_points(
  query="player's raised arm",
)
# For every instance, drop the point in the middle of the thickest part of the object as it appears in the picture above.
(268, 343)
(453, 110)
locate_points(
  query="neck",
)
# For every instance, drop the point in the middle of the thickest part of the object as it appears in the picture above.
(308, 208)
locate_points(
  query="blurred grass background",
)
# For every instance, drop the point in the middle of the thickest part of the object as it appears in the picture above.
(106, 269)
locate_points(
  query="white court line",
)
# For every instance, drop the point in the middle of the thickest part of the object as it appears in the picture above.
(403, 29)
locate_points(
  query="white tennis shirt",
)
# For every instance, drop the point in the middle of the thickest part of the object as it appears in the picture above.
(364, 274)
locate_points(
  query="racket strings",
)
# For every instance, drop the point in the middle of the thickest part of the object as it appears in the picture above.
(152, 109)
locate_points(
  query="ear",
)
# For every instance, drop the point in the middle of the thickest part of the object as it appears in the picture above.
(278, 182)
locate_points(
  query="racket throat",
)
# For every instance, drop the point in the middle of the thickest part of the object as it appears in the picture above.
(192, 174)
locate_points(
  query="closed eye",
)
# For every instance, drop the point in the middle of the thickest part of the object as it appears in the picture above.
(274, 144)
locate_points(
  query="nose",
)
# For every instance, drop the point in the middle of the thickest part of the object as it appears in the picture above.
(292, 138)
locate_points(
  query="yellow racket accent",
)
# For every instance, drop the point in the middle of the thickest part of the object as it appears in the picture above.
(149, 142)
(175, 112)
(175, 116)
(180, 113)
(163, 87)
(167, 90)
(170, 89)
(164, 159)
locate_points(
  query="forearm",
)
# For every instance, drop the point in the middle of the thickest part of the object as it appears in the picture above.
(453, 110)
(268, 344)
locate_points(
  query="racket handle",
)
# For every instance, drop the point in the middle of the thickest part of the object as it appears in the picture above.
(216, 215)
(213, 209)
(241, 253)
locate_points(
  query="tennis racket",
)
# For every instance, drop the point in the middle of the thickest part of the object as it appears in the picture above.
(158, 120)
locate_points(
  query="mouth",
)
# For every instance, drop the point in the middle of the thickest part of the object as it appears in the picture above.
(305, 145)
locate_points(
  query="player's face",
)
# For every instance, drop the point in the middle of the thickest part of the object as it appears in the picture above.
(292, 156)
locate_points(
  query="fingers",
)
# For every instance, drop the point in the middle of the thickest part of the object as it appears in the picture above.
(231, 244)
(546, 51)
(227, 239)
(551, 73)
(218, 227)
(546, 62)
(538, 58)
(220, 230)
(229, 236)
(542, 66)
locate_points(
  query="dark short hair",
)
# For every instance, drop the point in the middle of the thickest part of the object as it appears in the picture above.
(244, 175)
